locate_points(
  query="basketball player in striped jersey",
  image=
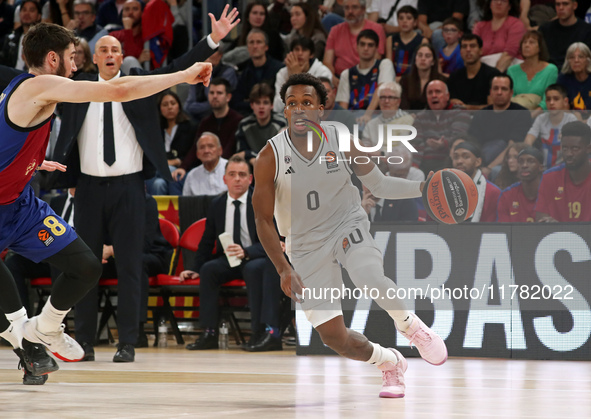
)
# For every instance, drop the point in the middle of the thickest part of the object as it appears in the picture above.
(28, 225)
(319, 211)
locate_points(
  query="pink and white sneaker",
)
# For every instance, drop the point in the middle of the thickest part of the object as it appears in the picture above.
(393, 377)
(430, 345)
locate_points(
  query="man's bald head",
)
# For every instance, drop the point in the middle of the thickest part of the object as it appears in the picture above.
(108, 56)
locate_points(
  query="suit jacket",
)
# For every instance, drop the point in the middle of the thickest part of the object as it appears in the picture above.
(216, 225)
(182, 141)
(142, 114)
(399, 210)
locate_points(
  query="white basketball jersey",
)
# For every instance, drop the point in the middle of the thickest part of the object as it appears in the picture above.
(314, 199)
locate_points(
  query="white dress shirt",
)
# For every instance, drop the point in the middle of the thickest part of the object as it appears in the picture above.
(244, 235)
(201, 181)
(128, 153)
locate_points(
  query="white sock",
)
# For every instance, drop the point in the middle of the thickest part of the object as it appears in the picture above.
(50, 319)
(403, 319)
(381, 355)
(14, 333)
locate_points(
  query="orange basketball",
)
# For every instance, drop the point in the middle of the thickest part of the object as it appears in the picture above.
(450, 196)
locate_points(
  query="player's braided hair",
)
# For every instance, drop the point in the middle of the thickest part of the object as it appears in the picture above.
(307, 80)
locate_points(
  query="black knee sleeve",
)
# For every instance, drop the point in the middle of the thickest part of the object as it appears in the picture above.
(81, 270)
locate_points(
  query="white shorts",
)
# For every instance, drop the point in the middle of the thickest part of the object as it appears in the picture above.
(320, 271)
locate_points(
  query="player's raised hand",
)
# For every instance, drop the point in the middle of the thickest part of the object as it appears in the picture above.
(52, 166)
(222, 27)
(199, 73)
(292, 285)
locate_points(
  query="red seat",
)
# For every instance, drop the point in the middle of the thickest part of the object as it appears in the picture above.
(171, 285)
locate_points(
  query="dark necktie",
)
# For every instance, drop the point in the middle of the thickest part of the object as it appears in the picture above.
(378, 214)
(237, 223)
(108, 136)
(68, 212)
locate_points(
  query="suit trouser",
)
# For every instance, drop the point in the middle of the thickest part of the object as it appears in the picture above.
(264, 294)
(217, 272)
(112, 207)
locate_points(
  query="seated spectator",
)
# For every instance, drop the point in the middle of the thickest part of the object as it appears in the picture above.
(256, 17)
(83, 59)
(432, 13)
(306, 24)
(58, 12)
(214, 269)
(531, 77)
(450, 58)
(109, 13)
(388, 210)
(341, 50)
(424, 70)
(400, 47)
(208, 178)
(197, 104)
(575, 76)
(359, 83)
(500, 30)
(507, 175)
(562, 32)
(300, 59)
(332, 110)
(385, 13)
(545, 132)
(223, 122)
(84, 24)
(467, 157)
(564, 191)
(497, 124)
(469, 87)
(12, 50)
(258, 69)
(131, 37)
(178, 132)
(389, 94)
(436, 127)
(254, 130)
(404, 170)
(517, 202)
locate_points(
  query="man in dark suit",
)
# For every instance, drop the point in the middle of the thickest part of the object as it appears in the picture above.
(233, 212)
(109, 176)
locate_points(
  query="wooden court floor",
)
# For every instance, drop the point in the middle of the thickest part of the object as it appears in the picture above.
(176, 383)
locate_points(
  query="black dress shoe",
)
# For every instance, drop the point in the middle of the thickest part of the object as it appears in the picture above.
(142, 341)
(207, 340)
(267, 343)
(88, 351)
(254, 338)
(125, 353)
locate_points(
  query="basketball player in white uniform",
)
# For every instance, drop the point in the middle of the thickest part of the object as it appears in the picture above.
(319, 211)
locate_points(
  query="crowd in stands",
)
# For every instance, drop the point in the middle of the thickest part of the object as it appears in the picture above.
(499, 89)
(496, 73)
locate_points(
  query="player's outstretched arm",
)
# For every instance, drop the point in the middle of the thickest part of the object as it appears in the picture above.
(263, 202)
(48, 89)
(381, 186)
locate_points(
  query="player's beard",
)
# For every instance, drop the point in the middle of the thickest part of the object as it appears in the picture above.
(61, 69)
